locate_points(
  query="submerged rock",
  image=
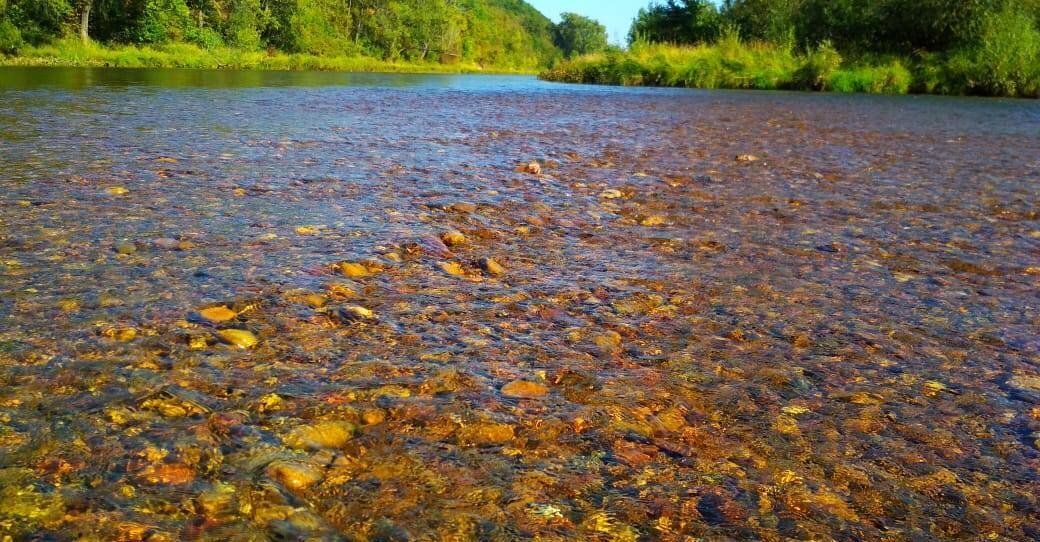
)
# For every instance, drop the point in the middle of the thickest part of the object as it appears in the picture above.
(491, 266)
(486, 433)
(453, 268)
(331, 434)
(217, 314)
(294, 475)
(238, 337)
(453, 238)
(608, 342)
(353, 270)
(354, 313)
(524, 389)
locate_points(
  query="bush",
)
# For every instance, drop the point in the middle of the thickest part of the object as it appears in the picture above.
(892, 78)
(207, 38)
(820, 65)
(10, 38)
(1005, 62)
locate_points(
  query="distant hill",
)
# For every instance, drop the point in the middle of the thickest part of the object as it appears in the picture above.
(509, 32)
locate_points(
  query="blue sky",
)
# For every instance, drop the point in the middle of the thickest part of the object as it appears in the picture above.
(616, 15)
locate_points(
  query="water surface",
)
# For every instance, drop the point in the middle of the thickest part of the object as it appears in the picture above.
(836, 340)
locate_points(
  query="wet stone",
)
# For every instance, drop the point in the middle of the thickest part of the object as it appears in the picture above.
(217, 314)
(295, 475)
(329, 434)
(524, 389)
(238, 337)
(491, 266)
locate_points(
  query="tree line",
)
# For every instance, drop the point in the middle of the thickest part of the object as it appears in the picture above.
(493, 32)
(852, 26)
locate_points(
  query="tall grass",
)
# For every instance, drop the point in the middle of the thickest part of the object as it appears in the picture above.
(1007, 63)
(71, 52)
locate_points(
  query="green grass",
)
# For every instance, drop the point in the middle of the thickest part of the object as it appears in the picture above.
(732, 64)
(71, 52)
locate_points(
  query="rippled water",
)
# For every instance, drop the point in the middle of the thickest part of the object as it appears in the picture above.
(836, 340)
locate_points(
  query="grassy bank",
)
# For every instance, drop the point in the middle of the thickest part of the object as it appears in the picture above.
(732, 64)
(71, 52)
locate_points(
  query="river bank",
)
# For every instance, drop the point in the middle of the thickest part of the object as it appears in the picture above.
(731, 64)
(73, 53)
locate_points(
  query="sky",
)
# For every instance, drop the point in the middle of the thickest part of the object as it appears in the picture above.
(616, 15)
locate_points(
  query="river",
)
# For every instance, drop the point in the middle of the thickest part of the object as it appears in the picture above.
(319, 306)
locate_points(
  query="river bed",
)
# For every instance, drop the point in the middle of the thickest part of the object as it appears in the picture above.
(314, 306)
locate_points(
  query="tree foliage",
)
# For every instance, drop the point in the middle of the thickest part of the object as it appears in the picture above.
(683, 21)
(854, 26)
(579, 35)
(953, 46)
(502, 33)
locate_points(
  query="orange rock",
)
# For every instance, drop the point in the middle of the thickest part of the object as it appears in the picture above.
(169, 473)
(524, 389)
(217, 314)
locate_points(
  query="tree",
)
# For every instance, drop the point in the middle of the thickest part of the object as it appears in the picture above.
(579, 35)
(766, 20)
(684, 21)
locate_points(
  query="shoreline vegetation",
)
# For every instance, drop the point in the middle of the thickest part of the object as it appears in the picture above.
(954, 47)
(732, 64)
(452, 36)
(74, 53)
(950, 47)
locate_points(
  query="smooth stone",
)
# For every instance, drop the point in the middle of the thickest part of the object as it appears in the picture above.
(217, 314)
(524, 389)
(237, 337)
(491, 266)
(488, 433)
(353, 270)
(294, 475)
(453, 268)
(332, 434)
(608, 342)
(315, 301)
(654, 220)
(126, 248)
(373, 416)
(453, 238)
(354, 313)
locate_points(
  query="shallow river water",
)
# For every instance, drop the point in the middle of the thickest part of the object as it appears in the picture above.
(285, 306)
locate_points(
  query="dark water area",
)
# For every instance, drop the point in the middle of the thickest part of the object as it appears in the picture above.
(320, 306)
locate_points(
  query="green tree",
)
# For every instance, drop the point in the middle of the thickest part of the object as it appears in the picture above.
(684, 21)
(766, 20)
(579, 35)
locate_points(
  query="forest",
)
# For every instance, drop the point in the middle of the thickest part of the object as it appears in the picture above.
(505, 34)
(984, 47)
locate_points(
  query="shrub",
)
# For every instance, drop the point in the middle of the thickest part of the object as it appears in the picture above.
(820, 65)
(10, 38)
(1006, 61)
(892, 78)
